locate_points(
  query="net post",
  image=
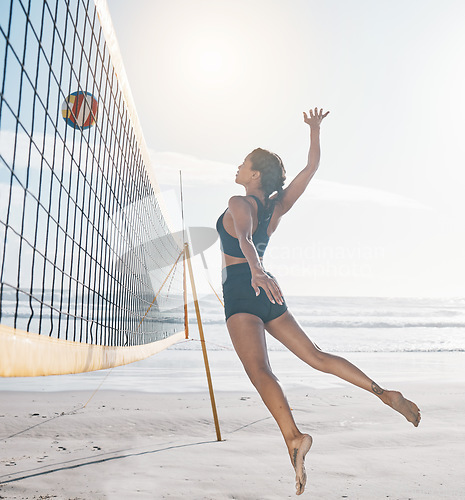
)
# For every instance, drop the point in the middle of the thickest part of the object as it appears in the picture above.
(202, 341)
(184, 283)
(184, 286)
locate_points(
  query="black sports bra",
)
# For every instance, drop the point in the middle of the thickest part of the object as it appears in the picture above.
(230, 245)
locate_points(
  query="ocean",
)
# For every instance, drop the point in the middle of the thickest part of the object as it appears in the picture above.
(355, 324)
(391, 339)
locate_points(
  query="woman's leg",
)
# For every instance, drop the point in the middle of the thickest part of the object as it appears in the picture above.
(248, 337)
(286, 329)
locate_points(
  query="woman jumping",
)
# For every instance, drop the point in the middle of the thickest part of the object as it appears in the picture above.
(253, 299)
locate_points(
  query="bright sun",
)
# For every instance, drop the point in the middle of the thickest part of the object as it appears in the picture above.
(211, 61)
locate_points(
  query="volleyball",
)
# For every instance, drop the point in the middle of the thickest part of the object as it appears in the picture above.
(80, 110)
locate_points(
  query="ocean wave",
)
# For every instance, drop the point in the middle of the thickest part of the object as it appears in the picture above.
(367, 323)
(194, 347)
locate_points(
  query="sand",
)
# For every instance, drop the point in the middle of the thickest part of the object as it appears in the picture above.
(128, 444)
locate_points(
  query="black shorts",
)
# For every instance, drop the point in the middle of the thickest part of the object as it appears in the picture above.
(239, 296)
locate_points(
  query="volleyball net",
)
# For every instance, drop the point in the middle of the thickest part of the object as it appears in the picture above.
(91, 274)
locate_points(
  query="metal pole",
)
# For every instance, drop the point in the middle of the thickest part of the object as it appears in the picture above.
(186, 321)
(202, 341)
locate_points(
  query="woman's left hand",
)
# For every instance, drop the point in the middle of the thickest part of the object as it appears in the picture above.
(269, 285)
(315, 118)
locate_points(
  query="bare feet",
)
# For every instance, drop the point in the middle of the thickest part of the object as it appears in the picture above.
(405, 407)
(299, 450)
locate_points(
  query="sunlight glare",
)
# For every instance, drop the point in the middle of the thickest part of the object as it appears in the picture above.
(211, 61)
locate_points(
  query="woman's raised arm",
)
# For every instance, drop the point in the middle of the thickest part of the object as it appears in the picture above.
(295, 189)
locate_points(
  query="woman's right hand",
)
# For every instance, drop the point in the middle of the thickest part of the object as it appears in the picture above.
(315, 118)
(269, 285)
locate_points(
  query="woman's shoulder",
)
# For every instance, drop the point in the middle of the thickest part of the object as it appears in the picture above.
(238, 201)
(245, 202)
(242, 206)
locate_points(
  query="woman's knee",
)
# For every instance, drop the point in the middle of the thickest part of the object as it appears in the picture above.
(320, 360)
(259, 375)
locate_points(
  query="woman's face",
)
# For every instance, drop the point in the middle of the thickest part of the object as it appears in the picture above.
(245, 173)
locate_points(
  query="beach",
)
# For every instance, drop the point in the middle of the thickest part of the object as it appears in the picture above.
(66, 438)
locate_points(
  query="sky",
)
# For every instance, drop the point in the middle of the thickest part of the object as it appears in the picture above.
(212, 80)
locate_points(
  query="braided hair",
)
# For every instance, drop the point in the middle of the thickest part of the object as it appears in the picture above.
(272, 172)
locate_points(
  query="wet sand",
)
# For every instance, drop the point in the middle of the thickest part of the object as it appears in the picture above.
(129, 444)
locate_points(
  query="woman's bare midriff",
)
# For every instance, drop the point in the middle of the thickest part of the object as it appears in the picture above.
(229, 260)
